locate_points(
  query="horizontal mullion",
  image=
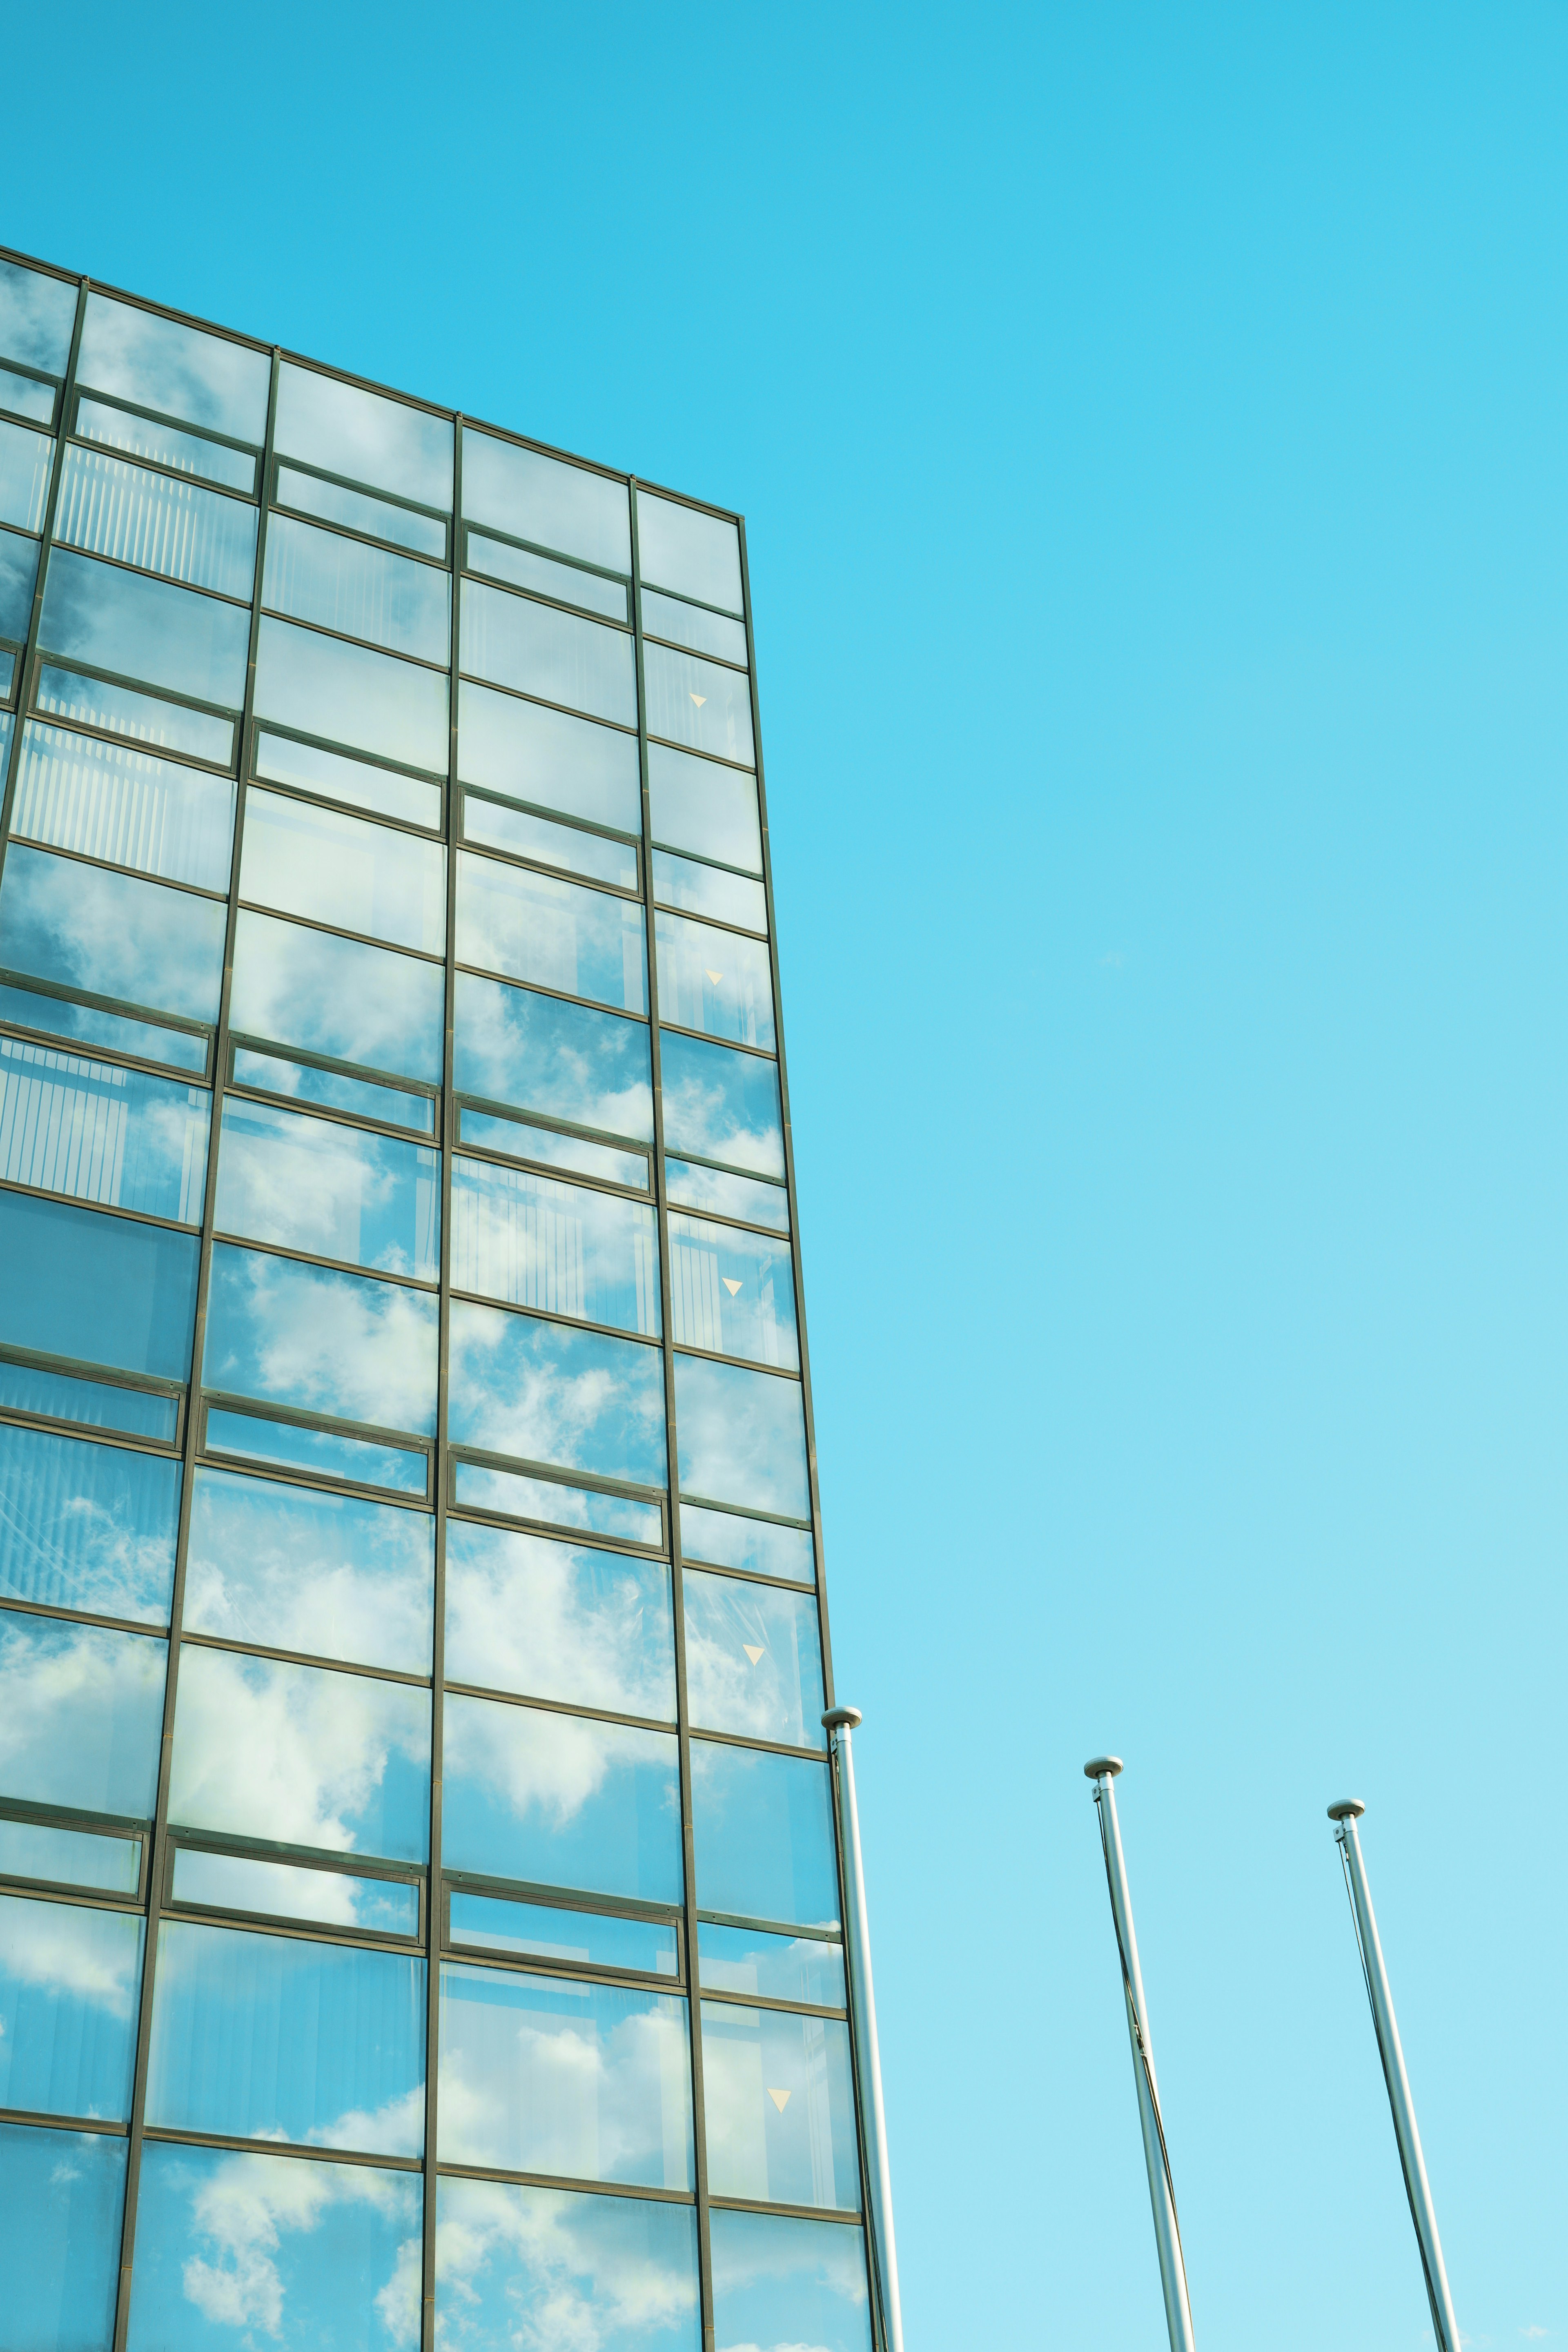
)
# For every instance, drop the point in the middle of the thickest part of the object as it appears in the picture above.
(539, 596)
(349, 531)
(498, 856)
(763, 2001)
(108, 866)
(771, 1927)
(317, 798)
(298, 1417)
(140, 571)
(65, 2123)
(849, 2214)
(275, 1048)
(746, 1575)
(303, 1658)
(153, 1630)
(33, 716)
(344, 637)
(537, 988)
(739, 1225)
(535, 1963)
(565, 2180)
(498, 1158)
(103, 1208)
(160, 416)
(712, 1356)
(560, 1707)
(737, 767)
(330, 1264)
(705, 1037)
(672, 645)
(762, 1747)
(83, 1898)
(308, 2149)
(340, 931)
(288, 1931)
(564, 1322)
(143, 461)
(709, 923)
(567, 710)
(81, 1052)
(287, 734)
(245, 1091)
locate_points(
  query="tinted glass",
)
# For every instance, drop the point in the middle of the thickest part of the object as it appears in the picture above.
(709, 890)
(379, 517)
(546, 844)
(87, 1526)
(530, 495)
(160, 523)
(100, 1289)
(545, 1393)
(508, 1494)
(18, 575)
(565, 1060)
(694, 553)
(726, 1195)
(764, 1829)
(144, 628)
(81, 1714)
(102, 1133)
(323, 1453)
(532, 1241)
(730, 1541)
(732, 1293)
(130, 808)
(326, 1898)
(697, 806)
(553, 1800)
(780, 2106)
(316, 1185)
(548, 756)
(361, 591)
(546, 577)
(270, 1074)
(698, 703)
(381, 789)
(95, 1403)
(24, 395)
(111, 934)
(69, 1997)
(542, 1931)
(536, 927)
(25, 459)
(535, 649)
(559, 1621)
(158, 363)
(522, 1140)
(61, 2195)
(775, 1968)
(553, 2075)
(721, 1104)
(70, 1857)
(743, 1437)
(340, 869)
(779, 2283)
(36, 315)
(351, 694)
(618, 2273)
(694, 626)
(714, 981)
(30, 1009)
(336, 997)
(345, 429)
(336, 1344)
(753, 1660)
(187, 453)
(120, 710)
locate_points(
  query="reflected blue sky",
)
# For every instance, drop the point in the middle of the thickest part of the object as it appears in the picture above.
(589, 1068)
(741, 1437)
(764, 1831)
(781, 2283)
(337, 997)
(335, 1190)
(332, 1343)
(559, 1621)
(62, 2197)
(70, 1990)
(81, 1713)
(89, 1025)
(87, 1526)
(545, 1393)
(778, 1967)
(134, 626)
(603, 2273)
(728, 1540)
(780, 2106)
(111, 934)
(554, 1799)
(103, 1289)
(326, 1898)
(753, 1660)
(36, 316)
(532, 1241)
(721, 1105)
(750, 1198)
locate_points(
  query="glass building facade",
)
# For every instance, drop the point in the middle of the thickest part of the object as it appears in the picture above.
(420, 1882)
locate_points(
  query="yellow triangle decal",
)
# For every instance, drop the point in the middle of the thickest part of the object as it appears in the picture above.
(779, 2098)
(714, 976)
(732, 1287)
(699, 699)
(752, 1654)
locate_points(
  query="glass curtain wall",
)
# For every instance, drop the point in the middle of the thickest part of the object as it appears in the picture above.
(419, 1897)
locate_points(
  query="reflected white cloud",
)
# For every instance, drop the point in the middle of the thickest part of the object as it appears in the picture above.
(159, 363)
(741, 1437)
(721, 1104)
(334, 1343)
(80, 1715)
(88, 1956)
(86, 1526)
(754, 1660)
(548, 1766)
(337, 1192)
(785, 2284)
(779, 2107)
(552, 2271)
(543, 1393)
(111, 934)
(556, 1620)
(534, 1240)
(293, 986)
(346, 430)
(591, 1069)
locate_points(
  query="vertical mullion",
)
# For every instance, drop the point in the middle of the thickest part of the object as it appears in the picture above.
(158, 1846)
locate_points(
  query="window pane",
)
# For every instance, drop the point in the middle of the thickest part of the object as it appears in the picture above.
(709, 890)
(325, 1574)
(187, 453)
(618, 2273)
(270, 1075)
(695, 554)
(378, 516)
(333, 868)
(775, 1968)
(95, 1403)
(758, 1545)
(541, 499)
(88, 1527)
(535, 837)
(532, 1241)
(694, 626)
(361, 592)
(520, 1141)
(336, 1344)
(24, 459)
(320, 1452)
(553, 1504)
(559, 1621)
(556, 1799)
(764, 1829)
(721, 1104)
(697, 806)
(309, 2254)
(337, 1192)
(565, 1060)
(753, 1660)
(732, 1293)
(182, 370)
(69, 1985)
(780, 2106)
(24, 395)
(548, 756)
(102, 1133)
(301, 1755)
(743, 1437)
(546, 577)
(69, 1858)
(61, 2195)
(541, 1931)
(81, 1717)
(779, 2283)
(128, 807)
(717, 982)
(351, 694)
(270, 2037)
(144, 628)
(381, 789)
(551, 2074)
(326, 1898)
(535, 927)
(101, 1290)
(111, 934)
(120, 710)
(543, 1392)
(19, 577)
(174, 527)
(346, 430)
(36, 315)
(28, 1009)
(535, 649)
(698, 703)
(337, 997)
(747, 1197)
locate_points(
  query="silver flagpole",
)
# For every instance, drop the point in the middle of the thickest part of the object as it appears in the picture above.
(1103, 1771)
(839, 1722)
(1411, 2161)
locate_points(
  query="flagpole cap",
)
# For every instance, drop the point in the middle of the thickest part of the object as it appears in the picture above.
(1348, 1809)
(1102, 1768)
(848, 1718)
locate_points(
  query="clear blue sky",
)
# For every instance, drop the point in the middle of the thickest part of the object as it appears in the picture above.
(1150, 425)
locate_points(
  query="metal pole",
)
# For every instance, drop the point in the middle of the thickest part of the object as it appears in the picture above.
(1102, 1770)
(839, 1722)
(1411, 2163)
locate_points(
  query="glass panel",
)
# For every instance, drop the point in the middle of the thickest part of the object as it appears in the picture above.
(764, 1830)
(351, 694)
(616, 2273)
(754, 1544)
(753, 1660)
(361, 591)
(540, 1931)
(337, 997)
(301, 1755)
(336, 1344)
(546, 844)
(61, 2195)
(281, 761)
(773, 1968)
(157, 522)
(96, 1404)
(696, 554)
(327, 1899)
(780, 2282)
(743, 1437)
(111, 934)
(565, 1060)
(325, 1574)
(186, 452)
(522, 1140)
(268, 2037)
(102, 1133)
(697, 806)
(709, 890)
(717, 982)
(759, 1204)
(100, 1290)
(127, 807)
(532, 1241)
(337, 1192)
(7, 681)
(144, 628)
(559, 1621)
(19, 577)
(534, 927)
(233, 2247)
(90, 1026)
(340, 869)
(270, 1075)
(732, 1292)
(24, 395)
(556, 1505)
(88, 1527)
(36, 316)
(697, 703)
(378, 516)
(721, 1104)
(68, 1998)
(25, 459)
(551, 2074)
(555, 1799)
(545, 1393)
(547, 578)
(535, 649)
(70, 1857)
(120, 710)
(360, 1459)
(694, 626)
(160, 365)
(548, 756)
(348, 430)
(780, 2106)
(81, 1717)
(523, 493)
